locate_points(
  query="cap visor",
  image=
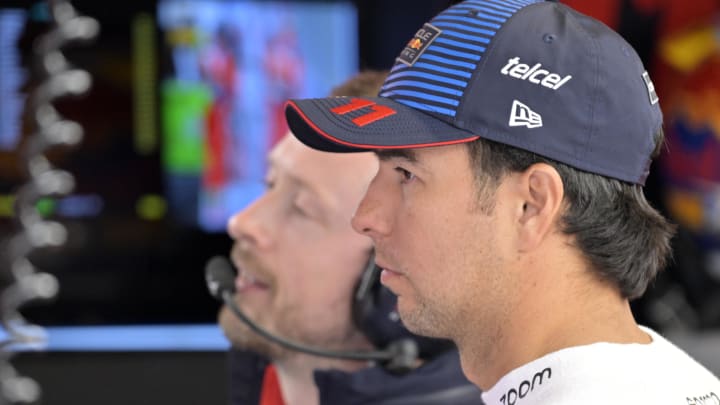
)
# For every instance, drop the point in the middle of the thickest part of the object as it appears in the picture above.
(350, 124)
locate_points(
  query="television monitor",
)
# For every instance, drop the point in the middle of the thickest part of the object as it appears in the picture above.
(223, 72)
(228, 70)
(146, 214)
(12, 76)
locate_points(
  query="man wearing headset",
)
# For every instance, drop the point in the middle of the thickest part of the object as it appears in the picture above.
(508, 214)
(299, 264)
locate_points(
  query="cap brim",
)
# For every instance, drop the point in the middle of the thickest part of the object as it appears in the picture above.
(350, 124)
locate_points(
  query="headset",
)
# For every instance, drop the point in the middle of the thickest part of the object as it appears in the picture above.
(373, 312)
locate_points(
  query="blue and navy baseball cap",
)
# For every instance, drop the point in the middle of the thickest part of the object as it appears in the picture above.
(532, 74)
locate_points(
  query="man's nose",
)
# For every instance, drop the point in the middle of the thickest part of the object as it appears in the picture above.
(372, 214)
(251, 225)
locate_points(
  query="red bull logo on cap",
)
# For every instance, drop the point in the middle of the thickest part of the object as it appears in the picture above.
(415, 43)
(422, 39)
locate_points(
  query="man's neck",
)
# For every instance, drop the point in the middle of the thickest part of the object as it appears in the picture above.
(546, 318)
(295, 374)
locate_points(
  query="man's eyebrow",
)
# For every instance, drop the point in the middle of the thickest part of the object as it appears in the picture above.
(402, 153)
(325, 199)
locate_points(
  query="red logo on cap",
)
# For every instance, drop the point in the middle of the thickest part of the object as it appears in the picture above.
(415, 43)
(377, 112)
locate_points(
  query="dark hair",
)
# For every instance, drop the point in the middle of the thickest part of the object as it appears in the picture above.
(364, 84)
(624, 238)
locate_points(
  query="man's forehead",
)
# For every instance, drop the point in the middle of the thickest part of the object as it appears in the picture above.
(403, 153)
(302, 161)
(294, 162)
(323, 172)
(428, 158)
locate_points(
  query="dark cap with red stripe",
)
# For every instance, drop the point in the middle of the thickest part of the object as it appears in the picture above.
(532, 74)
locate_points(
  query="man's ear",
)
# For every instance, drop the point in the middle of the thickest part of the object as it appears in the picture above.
(541, 191)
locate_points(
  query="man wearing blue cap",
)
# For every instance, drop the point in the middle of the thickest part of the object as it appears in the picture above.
(305, 276)
(508, 213)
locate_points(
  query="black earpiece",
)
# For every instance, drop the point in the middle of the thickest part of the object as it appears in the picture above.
(374, 311)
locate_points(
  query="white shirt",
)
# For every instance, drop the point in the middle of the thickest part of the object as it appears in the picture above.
(657, 373)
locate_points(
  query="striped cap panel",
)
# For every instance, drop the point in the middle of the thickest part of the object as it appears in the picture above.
(435, 79)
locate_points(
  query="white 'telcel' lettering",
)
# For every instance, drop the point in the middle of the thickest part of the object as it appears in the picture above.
(534, 74)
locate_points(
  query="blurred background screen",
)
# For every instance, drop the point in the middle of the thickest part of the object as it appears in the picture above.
(187, 98)
(229, 68)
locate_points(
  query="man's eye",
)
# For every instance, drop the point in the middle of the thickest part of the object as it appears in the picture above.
(304, 207)
(269, 184)
(407, 176)
(300, 210)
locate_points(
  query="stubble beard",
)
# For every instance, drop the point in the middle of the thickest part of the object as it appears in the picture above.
(287, 324)
(426, 319)
(242, 337)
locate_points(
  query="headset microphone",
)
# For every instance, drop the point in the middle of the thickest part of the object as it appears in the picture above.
(400, 356)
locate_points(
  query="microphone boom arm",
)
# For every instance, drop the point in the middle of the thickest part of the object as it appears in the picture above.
(381, 356)
(398, 357)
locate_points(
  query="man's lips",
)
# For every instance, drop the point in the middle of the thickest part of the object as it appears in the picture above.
(386, 266)
(246, 281)
(388, 273)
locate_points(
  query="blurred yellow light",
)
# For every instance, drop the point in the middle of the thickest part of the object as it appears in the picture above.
(6, 205)
(151, 207)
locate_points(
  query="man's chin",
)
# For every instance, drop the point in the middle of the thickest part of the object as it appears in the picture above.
(242, 337)
(419, 321)
(260, 345)
(246, 339)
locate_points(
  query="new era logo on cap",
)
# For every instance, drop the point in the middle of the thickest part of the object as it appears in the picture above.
(522, 116)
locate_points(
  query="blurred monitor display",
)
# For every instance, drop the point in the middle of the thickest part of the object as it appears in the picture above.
(229, 69)
(208, 81)
(12, 76)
